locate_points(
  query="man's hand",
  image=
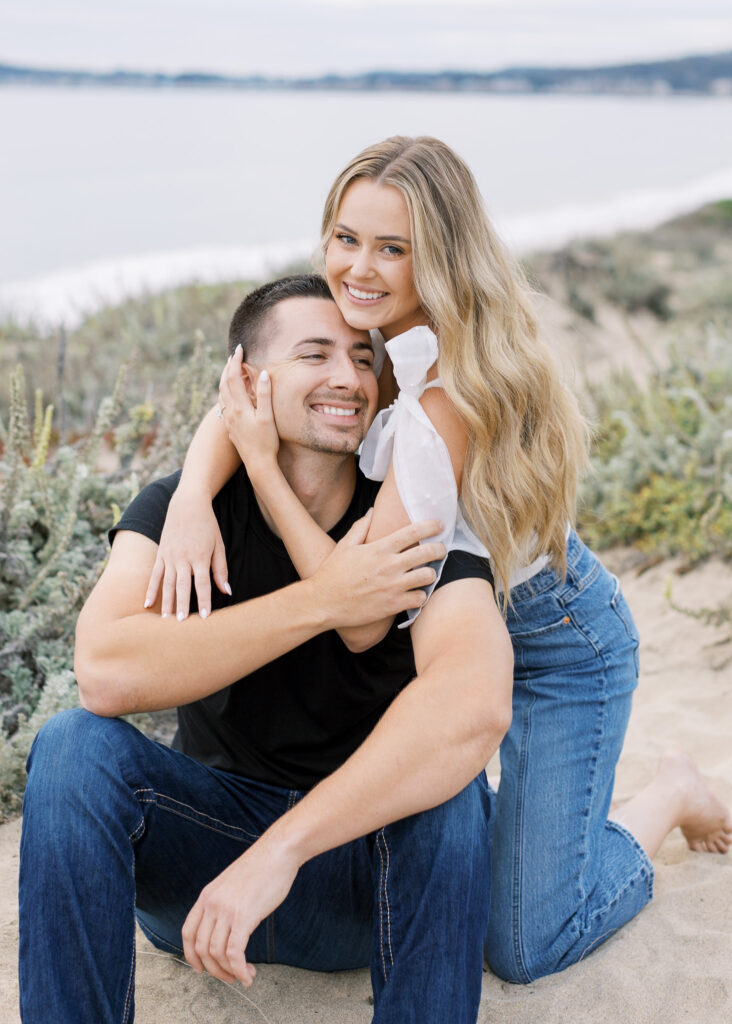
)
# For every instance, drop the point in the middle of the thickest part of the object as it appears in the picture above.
(217, 930)
(360, 583)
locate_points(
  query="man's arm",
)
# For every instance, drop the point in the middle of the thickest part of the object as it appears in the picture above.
(128, 659)
(436, 736)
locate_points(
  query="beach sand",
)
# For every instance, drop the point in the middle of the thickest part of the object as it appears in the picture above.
(672, 964)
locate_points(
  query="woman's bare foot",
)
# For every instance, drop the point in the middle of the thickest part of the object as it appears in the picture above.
(678, 797)
(703, 818)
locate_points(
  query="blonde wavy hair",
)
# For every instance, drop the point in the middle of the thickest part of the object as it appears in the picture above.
(527, 438)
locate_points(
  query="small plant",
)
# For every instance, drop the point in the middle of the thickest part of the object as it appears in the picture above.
(662, 463)
(56, 506)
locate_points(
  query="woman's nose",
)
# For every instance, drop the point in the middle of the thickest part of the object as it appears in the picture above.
(362, 263)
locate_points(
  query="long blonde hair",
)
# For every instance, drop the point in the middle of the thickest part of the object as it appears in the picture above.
(527, 439)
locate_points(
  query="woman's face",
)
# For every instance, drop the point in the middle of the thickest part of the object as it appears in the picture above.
(368, 262)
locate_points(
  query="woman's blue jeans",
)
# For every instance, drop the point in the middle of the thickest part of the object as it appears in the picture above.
(564, 877)
(116, 825)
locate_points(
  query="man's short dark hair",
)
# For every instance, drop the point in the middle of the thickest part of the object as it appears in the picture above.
(249, 325)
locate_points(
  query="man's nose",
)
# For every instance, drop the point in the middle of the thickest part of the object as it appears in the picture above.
(344, 373)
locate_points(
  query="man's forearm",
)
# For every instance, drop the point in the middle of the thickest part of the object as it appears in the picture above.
(144, 663)
(436, 736)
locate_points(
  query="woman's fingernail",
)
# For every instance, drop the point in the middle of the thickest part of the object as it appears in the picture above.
(227, 588)
(238, 348)
(148, 603)
(165, 615)
(181, 616)
(264, 376)
(203, 613)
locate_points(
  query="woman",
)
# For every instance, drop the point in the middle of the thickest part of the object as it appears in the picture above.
(485, 434)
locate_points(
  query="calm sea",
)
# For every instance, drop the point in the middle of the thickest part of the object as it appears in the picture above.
(103, 191)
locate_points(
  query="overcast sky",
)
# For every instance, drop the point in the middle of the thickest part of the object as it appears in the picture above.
(318, 36)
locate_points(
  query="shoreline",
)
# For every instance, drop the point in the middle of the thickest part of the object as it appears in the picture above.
(66, 295)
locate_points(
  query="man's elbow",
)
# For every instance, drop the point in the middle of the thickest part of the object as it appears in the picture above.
(95, 692)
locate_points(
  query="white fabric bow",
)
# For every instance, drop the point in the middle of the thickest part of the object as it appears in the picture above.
(404, 435)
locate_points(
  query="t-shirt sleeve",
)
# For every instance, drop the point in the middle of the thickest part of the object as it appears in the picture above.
(462, 565)
(146, 513)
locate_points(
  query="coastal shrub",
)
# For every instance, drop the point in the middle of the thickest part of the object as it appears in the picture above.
(57, 503)
(661, 474)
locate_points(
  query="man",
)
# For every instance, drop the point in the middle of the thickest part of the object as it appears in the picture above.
(333, 809)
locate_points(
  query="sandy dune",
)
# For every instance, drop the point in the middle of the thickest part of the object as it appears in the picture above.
(673, 964)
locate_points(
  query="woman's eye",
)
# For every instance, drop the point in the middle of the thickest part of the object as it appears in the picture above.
(365, 364)
(346, 239)
(393, 250)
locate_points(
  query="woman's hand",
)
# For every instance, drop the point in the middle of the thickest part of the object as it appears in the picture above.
(190, 545)
(250, 426)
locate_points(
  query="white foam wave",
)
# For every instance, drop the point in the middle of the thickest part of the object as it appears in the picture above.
(64, 296)
(641, 209)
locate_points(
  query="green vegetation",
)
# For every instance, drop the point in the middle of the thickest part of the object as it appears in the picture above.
(662, 460)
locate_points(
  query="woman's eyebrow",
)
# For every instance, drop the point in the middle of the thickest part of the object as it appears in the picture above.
(379, 238)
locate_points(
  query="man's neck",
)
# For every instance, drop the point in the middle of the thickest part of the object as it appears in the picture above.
(323, 482)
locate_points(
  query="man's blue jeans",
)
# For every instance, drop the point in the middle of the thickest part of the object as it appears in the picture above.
(115, 825)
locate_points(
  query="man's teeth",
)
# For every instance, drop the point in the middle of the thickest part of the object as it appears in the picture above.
(334, 410)
(364, 295)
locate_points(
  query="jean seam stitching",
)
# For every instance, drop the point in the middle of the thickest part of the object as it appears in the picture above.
(383, 898)
(130, 984)
(386, 893)
(518, 860)
(164, 802)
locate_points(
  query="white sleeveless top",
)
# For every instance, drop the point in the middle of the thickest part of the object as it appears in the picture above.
(405, 435)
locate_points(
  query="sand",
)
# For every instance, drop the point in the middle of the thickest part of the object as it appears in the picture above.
(672, 964)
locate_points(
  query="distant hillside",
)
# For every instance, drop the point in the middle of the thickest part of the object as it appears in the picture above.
(701, 75)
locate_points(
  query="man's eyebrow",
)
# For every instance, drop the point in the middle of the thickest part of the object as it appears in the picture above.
(330, 343)
(379, 238)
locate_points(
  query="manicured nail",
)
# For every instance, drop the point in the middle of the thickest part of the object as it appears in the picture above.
(180, 616)
(203, 613)
(166, 615)
(264, 376)
(238, 348)
(148, 603)
(228, 360)
(227, 588)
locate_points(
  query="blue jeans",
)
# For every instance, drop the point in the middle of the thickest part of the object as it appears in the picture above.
(564, 877)
(115, 825)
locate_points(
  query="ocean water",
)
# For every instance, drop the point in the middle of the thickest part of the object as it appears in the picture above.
(106, 192)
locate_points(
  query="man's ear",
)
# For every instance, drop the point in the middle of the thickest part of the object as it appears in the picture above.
(250, 376)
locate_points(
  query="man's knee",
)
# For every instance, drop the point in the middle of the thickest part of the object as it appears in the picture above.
(69, 747)
(455, 833)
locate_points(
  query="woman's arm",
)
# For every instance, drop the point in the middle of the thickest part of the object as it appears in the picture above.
(253, 431)
(191, 540)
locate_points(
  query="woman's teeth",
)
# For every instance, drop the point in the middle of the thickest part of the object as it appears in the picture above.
(358, 294)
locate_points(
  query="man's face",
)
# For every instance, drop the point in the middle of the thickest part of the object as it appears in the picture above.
(324, 391)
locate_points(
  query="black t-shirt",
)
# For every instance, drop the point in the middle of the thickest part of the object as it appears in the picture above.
(295, 720)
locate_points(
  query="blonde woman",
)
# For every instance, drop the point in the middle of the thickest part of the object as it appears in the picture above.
(484, 437)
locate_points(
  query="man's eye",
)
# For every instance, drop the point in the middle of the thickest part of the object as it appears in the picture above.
(314, 355)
